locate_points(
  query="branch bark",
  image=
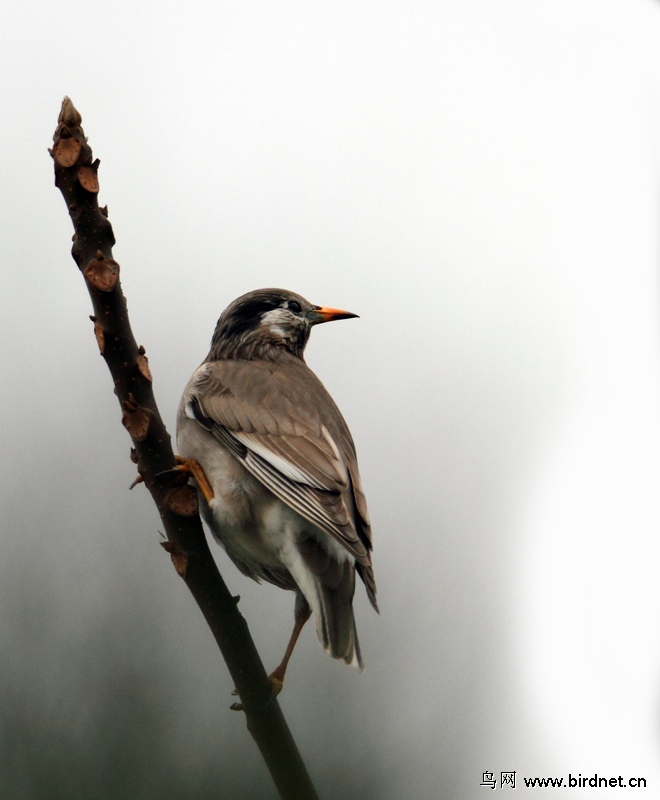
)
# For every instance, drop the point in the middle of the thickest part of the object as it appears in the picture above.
(76, 175)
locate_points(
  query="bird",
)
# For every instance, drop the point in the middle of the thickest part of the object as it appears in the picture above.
(276, 466)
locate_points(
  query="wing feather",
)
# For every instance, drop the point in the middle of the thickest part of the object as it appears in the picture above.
(281, 423)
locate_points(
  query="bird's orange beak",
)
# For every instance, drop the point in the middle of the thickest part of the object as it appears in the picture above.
(321, 314)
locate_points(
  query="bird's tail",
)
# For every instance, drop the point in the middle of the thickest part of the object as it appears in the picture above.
(327, 582)
(333, 610)
(339, 637)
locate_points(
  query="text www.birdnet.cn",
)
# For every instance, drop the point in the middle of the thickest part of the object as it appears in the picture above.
(511, 780)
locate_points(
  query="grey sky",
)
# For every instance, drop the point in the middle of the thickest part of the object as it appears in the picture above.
(479, 182)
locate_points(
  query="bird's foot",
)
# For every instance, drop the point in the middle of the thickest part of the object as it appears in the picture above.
(276, 680)
(188, 466)
(236, 706)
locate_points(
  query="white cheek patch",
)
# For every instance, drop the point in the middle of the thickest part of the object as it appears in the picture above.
(278, 321)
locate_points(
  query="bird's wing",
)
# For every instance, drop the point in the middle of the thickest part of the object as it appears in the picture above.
(280, 422)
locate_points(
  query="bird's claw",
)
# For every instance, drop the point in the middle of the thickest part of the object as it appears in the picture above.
(195, 469)
(188, 466)
(276, 685)
(236, 706)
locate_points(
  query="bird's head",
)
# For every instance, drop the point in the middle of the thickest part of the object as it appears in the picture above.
(260, 324)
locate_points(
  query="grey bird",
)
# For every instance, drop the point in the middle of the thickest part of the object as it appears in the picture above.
(284, 496)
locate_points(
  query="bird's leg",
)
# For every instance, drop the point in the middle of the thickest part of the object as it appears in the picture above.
(301, 615)
(194, 468)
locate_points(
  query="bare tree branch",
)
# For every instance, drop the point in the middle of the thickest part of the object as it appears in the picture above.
(76, 175)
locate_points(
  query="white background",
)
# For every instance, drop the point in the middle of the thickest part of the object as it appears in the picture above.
(479, 182)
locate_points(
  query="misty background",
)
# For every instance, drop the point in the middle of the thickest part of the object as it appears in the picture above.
(479, 181)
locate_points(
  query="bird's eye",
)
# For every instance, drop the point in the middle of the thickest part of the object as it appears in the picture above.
(294, 305)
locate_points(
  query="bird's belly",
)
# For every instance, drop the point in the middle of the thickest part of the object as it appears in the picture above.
(249, 530)
(264, 537)
(230, 515)
(246, 519)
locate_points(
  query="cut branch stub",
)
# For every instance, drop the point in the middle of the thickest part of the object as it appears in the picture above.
(182, 500)
(136, 419)
(66, 151)
(178, 556)
(143, 365)
(99, 333)
(102, 273)
(88, 178)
